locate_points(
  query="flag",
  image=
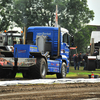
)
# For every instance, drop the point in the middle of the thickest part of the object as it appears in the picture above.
(56, 17)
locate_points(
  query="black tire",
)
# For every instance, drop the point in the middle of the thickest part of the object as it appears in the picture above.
(63, 71)
(40, 70)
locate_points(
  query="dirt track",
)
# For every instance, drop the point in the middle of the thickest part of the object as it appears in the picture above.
(72, 91)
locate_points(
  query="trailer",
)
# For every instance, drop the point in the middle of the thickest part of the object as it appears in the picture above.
(46, 51)
(94, 54)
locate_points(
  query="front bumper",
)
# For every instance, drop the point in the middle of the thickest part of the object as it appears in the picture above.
(20, 63)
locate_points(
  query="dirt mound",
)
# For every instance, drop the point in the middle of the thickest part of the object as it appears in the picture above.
(72, 91)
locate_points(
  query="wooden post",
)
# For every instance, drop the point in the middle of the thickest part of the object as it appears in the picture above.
(24, 34)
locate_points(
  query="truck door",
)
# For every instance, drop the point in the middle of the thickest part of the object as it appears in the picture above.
(65, 46)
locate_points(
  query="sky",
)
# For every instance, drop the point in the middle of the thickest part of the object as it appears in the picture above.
(95, 6)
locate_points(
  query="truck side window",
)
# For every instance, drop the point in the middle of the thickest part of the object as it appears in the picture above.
(65, 38)
(29, 38)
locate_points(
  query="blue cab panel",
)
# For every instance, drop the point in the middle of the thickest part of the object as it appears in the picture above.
(53, 66)
(23, 51)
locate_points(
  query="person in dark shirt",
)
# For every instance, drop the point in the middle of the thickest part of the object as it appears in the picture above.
(85, 59)
(79, 59)
(75, 61)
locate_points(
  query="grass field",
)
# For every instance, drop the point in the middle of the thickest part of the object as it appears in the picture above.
(72, 73)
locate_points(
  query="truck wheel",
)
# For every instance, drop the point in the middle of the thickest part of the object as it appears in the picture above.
(63, 71)
(40, 70)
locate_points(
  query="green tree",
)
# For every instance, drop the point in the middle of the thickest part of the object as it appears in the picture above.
(34, 12)
(5, 13)
(75, 15)
(82, 38)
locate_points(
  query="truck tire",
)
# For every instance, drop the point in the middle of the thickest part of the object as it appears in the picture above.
(63, 71)
(40, 70)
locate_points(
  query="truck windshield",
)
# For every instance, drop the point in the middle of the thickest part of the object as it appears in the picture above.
(13, 40)
(17, 40)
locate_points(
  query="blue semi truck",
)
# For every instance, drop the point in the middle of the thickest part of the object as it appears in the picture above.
(46, 51)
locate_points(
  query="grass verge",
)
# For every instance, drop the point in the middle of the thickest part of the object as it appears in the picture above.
(72, 73)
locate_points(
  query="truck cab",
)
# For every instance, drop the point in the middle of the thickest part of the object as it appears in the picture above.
(9, 38)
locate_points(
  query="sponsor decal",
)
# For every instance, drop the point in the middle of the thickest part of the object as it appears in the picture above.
(33, 47)
(52, 64)
(45, 34)
(55, 70)
(57, 64)
(21, 51)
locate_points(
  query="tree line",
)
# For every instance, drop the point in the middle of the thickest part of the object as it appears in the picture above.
(72, 14)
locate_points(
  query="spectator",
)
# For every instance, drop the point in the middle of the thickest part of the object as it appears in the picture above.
(79, 59)
(85, 59)
(75, 61)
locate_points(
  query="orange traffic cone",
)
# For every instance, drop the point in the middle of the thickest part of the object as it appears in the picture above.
(92, 75)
